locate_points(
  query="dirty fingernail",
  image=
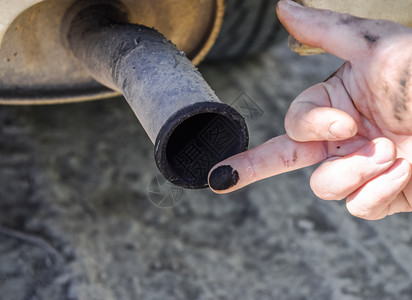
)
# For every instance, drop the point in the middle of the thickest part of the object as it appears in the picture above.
(223, 178)
(340, 130)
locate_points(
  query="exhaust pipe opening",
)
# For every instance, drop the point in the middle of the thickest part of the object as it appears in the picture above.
(196, 139)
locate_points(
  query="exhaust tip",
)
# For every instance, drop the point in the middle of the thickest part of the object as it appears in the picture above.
(196, 138)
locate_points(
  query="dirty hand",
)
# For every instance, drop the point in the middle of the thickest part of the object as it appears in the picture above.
(359, 122)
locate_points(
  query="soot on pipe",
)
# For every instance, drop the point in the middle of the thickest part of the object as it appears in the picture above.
(191, 129)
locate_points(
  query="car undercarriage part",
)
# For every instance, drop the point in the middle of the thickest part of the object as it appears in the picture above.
(59, 51)
(398, 11)
(37, 68)
(249, 26)
(192, 130)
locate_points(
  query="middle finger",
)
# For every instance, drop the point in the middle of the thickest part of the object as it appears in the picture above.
(337, 178)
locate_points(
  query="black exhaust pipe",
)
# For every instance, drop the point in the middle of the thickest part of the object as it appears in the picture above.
(191, 129)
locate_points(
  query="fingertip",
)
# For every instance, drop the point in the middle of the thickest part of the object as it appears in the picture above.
(285, 4)
(305, 123)
(343, 129)
(383, 150)
(283, 8)
(222, 178)
(383, 195)
(316, 183)
(362, 213)
(401, 170)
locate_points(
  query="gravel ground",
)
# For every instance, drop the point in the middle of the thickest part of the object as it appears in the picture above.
(76, 221)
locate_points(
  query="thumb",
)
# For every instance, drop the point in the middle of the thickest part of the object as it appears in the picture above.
(343, 35)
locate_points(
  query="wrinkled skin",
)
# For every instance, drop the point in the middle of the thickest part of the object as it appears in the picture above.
(358, 122)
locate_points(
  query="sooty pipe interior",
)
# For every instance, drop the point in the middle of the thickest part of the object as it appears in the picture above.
(200, 142)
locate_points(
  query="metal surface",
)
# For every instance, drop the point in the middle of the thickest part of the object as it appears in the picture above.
(36, 67)
(399, 11)
(192, 130)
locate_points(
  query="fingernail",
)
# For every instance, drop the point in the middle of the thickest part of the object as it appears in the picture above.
(340, 130)
(223, 178)
(380, 152)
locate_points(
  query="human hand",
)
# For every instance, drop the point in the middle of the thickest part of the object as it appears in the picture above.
(359, 121)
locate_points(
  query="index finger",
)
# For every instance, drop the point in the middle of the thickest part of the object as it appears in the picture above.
(276, 156)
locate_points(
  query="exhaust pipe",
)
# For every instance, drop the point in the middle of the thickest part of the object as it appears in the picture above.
(190, 128)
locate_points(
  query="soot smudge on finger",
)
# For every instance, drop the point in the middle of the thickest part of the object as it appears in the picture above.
(223, 178)
(400, 103)
(371, 39)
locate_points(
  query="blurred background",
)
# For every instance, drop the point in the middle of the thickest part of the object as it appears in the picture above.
(81, 217)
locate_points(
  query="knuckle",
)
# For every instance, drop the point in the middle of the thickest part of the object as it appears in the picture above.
(323, 190)
(326, 181)
(386, 146)
(362, 213)
(368, 210)
(359, 177)
(384, 201)
(290, 124)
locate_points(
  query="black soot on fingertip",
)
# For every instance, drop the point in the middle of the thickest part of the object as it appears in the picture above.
(223, 178)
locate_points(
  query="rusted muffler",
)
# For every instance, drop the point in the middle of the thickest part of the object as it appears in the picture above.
(191, 129)
(36, 68)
